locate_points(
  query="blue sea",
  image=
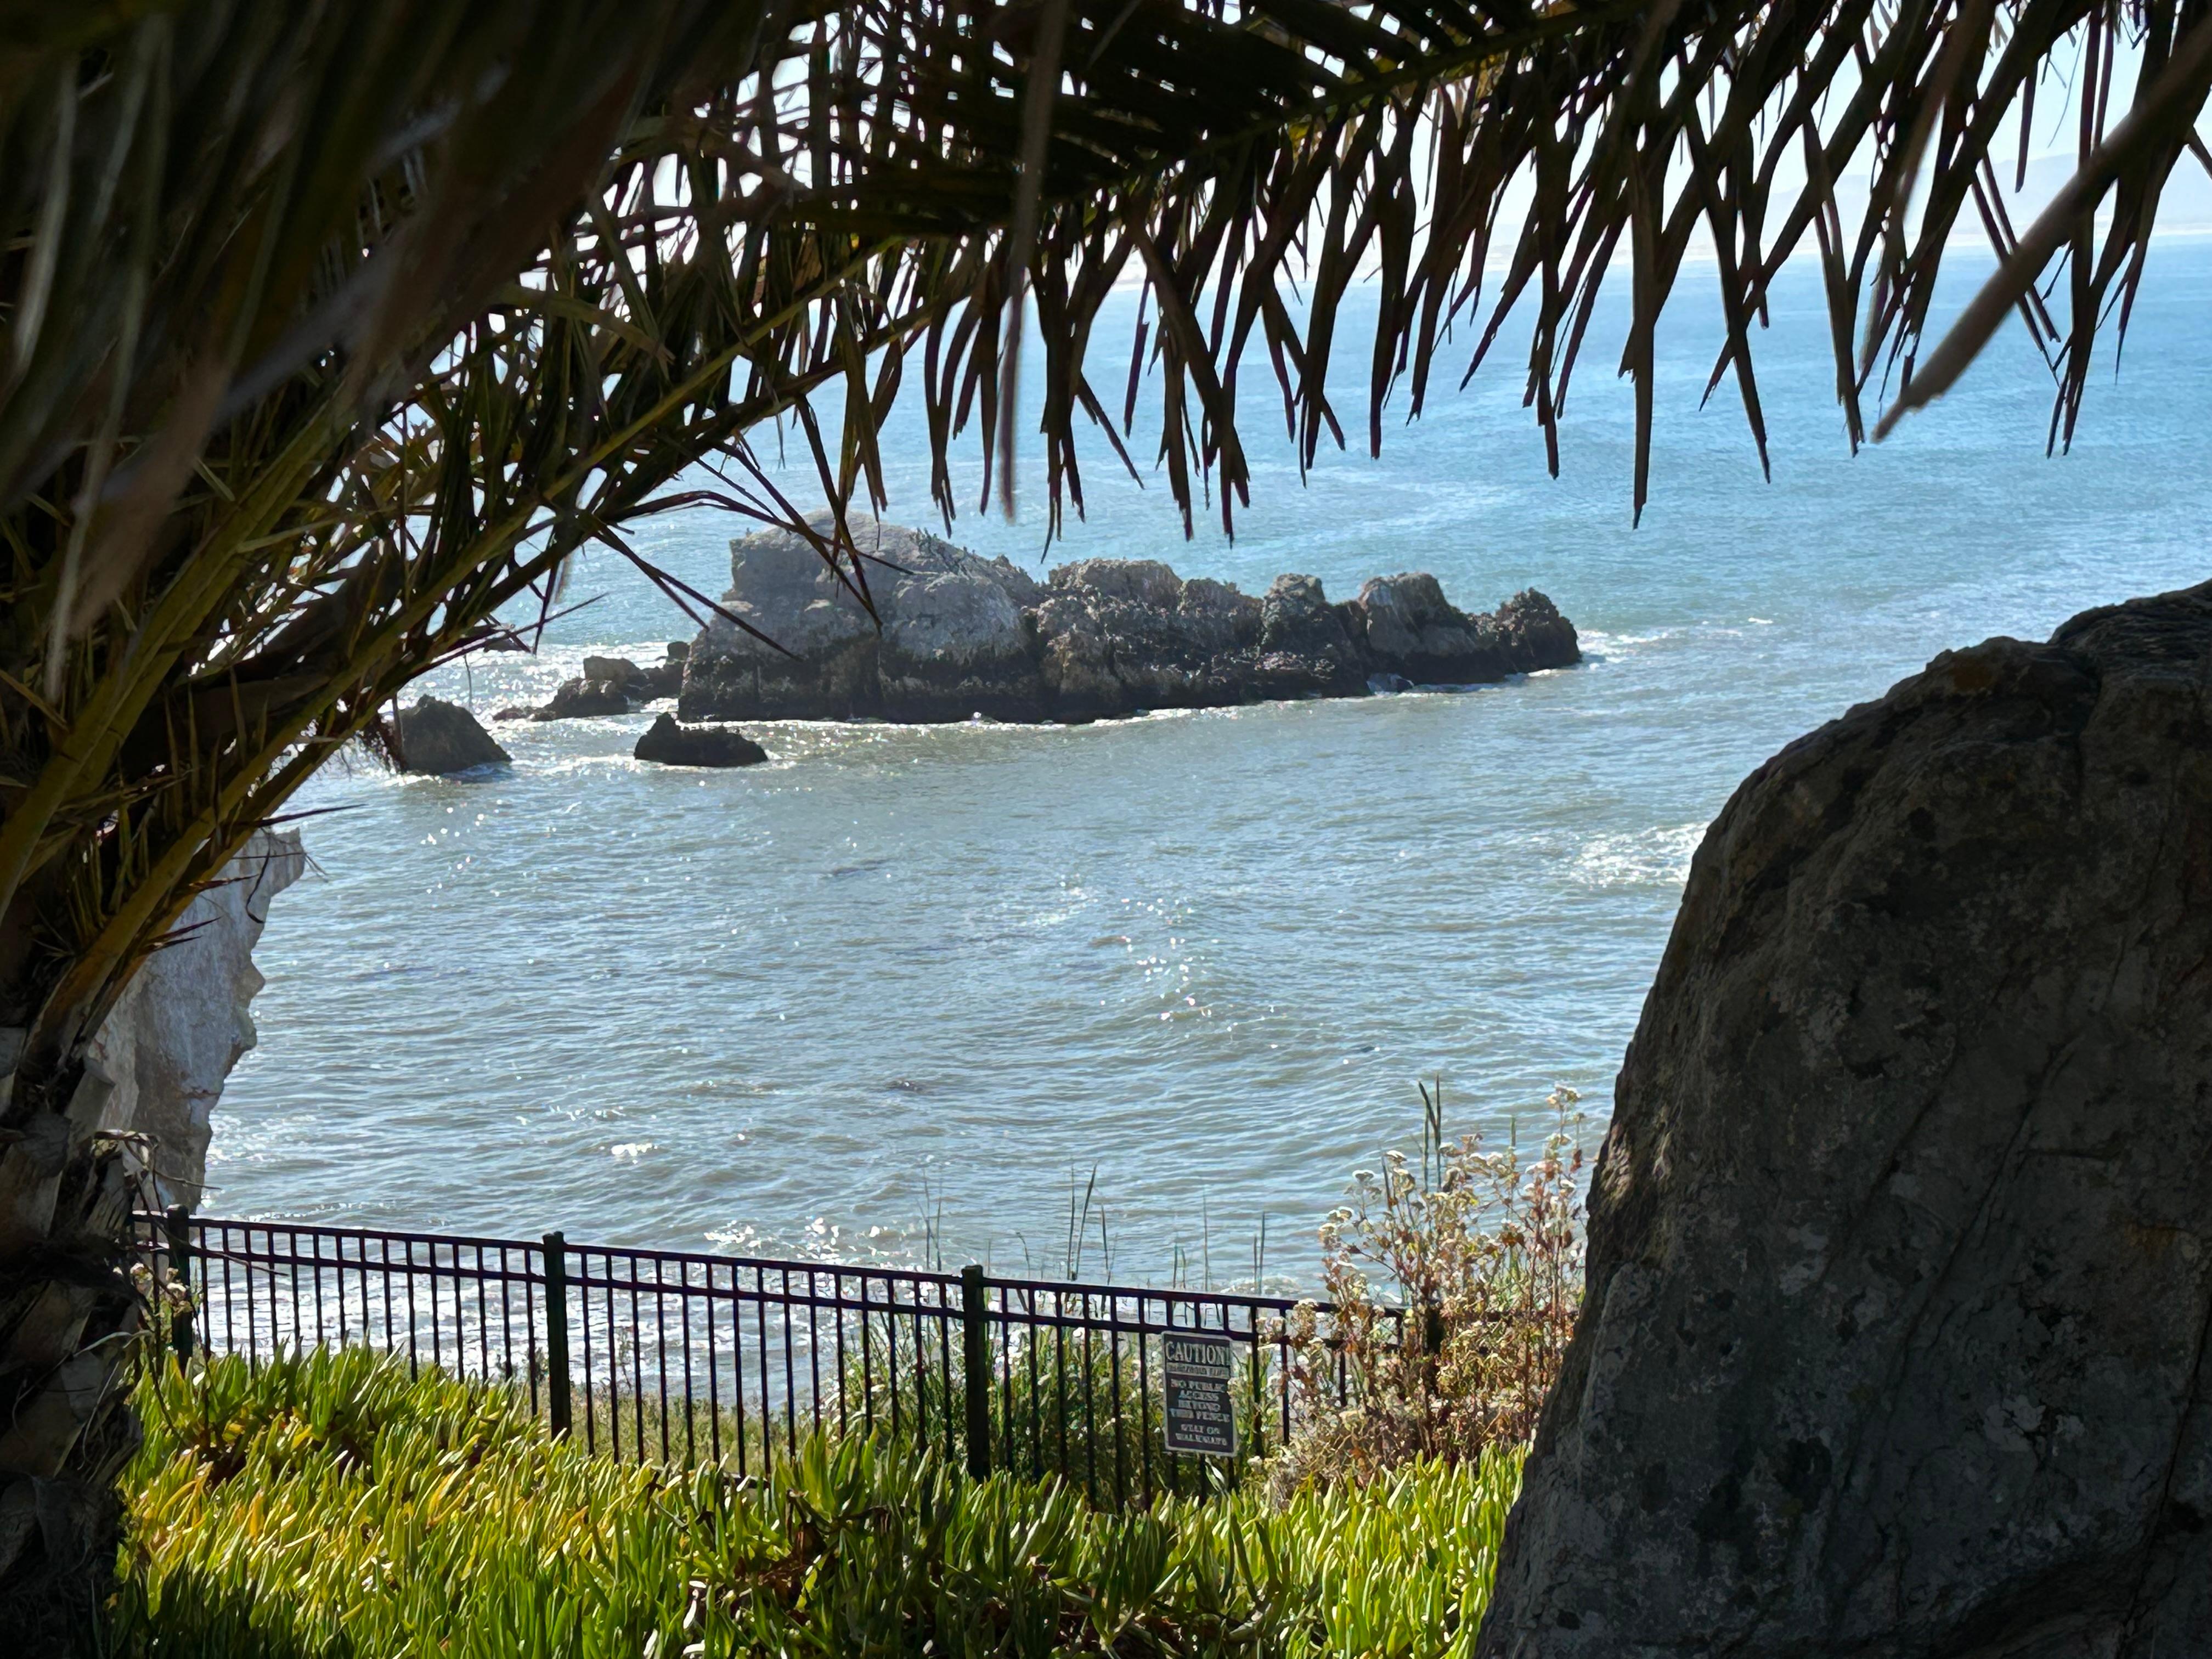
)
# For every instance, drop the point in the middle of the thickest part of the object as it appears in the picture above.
(909, 993)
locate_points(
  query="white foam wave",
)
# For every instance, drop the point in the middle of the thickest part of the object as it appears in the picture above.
(1655, 857)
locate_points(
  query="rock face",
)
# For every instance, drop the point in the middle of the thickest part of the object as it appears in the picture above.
(671, 745)
(441, 737)
(963, 635)
(180, 1025)
(1900, 1271)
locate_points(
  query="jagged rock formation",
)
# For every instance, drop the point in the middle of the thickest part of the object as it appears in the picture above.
(671, 745)
(180, 1025)
(612, 685)
(441, 737)
(1900, 1273)
(963, 635)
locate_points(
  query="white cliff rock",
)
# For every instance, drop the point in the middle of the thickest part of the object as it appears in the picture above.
(181, 1024)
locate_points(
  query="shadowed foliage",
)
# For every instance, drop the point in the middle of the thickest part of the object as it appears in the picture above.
(330, 333)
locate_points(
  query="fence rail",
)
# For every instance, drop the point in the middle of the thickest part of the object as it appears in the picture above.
(661, 1355)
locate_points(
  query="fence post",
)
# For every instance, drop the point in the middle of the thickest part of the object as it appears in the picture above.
(976, 1366)
(557, 1332)
(178, 1224)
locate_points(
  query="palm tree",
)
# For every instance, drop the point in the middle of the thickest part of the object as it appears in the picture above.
(331, 332)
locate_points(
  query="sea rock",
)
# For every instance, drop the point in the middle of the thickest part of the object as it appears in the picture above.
(613, 685)
(663, 680)
(514, 711)
(1900, 1266)
(579, 699)
(441, 737)
(672, 745)
(963, 636)
(185, 1018)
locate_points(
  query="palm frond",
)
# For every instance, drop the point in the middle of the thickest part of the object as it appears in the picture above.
(1469, 159)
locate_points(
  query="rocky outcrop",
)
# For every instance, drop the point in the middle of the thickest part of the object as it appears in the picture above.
(613, 685)
(579, 699)
(1900, 1274)
(963, 636)
(166, 1048)
(671, 745)
(663, 680)
(439, 737)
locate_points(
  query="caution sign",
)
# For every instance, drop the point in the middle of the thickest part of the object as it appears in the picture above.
(1195, 1373)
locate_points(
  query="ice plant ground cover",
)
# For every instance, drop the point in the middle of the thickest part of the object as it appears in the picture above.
(331, 1505)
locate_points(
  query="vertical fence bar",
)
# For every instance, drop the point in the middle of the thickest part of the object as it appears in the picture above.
(248, 1264)
(975, 1366)
(1145, 1398)
(557, 1402)
(179, 1224)
(790, 1376)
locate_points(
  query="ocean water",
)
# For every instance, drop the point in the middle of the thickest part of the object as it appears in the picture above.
(889, 996)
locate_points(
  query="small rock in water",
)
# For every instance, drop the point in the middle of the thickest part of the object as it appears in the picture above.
(514, 712)
(442, 737)
(582, 698)
(671, 745)
(1388, 685)
(613, 685)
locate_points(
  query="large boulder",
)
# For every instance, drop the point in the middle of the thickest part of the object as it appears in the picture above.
(1900, 1272)
(962, 635)
(439, 737)
(671, 745)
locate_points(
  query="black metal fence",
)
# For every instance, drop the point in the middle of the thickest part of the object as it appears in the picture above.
(663, 1355)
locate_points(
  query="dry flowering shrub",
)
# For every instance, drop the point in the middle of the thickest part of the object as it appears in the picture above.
(1456, 1288)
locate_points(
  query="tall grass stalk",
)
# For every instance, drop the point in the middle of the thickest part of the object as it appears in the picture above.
(1455, 1289)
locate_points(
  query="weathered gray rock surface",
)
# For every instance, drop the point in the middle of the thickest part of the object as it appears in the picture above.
(441, 737)
(963, 635)
(165, 1049)
(1900, 1279)
(671, 745)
